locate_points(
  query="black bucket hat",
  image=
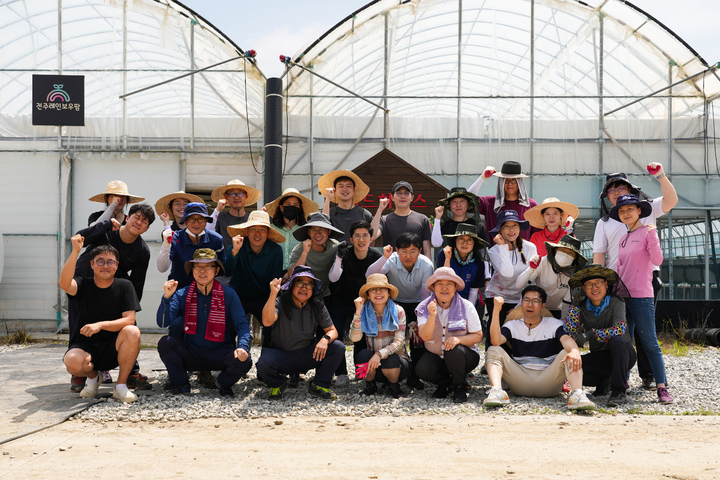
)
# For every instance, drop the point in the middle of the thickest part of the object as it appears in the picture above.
(509, 216)
(459, 192)
(618, 177)
(569, 242)
(468, 230)
(630, 199)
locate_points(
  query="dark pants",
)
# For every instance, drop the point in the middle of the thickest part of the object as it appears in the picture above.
(180, 357)
(416, 351)
(457, 363)
(273, 363)
(342, 315)
(490, 305)
(612, 364)
(393, 361)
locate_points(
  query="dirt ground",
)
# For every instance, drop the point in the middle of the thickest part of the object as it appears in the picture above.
(417, 447)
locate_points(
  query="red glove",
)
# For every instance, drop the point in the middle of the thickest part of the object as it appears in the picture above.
(655, 169)
(534, 262)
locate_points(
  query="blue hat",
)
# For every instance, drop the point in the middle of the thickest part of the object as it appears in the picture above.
(630, 199)
(507, 216)
(303, 271)
(196, 208)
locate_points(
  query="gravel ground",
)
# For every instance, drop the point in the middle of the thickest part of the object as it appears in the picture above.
(10, 348)
(692, 378)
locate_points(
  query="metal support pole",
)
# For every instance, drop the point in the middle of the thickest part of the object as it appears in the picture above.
(125, 79)
(716, 270)
(273, 150)
(386, 73)
(459, 93)
(671, 253)
(311, 141)
(708, 219)
(532, 94)
(192, 83)
(60, 236)
(601, 88)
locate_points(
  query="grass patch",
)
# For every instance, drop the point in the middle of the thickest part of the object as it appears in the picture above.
(704, 412)
(18, 337)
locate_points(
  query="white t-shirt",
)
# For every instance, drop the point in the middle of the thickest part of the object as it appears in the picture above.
(609, 234)
(473, 321)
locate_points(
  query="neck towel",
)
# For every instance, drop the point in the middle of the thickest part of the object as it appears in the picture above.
(215, 329)
(368, 319)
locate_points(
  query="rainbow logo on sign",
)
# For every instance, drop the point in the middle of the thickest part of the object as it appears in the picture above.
(58, 94)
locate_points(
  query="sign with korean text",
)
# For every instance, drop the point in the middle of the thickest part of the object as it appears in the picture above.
(58, 100)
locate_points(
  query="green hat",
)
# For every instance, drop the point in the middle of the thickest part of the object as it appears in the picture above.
(204, 255)
(469, 230)
(592, 271)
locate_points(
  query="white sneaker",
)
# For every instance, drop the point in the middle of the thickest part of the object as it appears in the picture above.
(579, 401)
(496, 396)
(342, 381)
(91, 389)
(126, 397)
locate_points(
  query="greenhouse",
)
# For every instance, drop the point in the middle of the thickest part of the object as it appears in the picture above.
(572, 90)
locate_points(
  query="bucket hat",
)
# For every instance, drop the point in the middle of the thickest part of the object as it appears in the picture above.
(317, 219)
(204, 255)
(509, 216)
(378, 280)
(194, 208)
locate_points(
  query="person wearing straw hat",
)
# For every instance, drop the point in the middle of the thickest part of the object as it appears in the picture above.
(454, 210)
(402, 220)
(295, 311)
(598, 317)
(208, 327)
(553, 271)
(115, 197)
(235, 195)
(553, 219)
(638, 254)
(317, 250)
(171, 209)
(464, 254)
(381, 322)
(450, 327)
(253, 260)
(511, 194)
(346, 189)
(543, 354)
(106, 334)
(289, 212)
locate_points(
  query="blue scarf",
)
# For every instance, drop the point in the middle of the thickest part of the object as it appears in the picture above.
(369, 323)
(598, 310)
(469, 260)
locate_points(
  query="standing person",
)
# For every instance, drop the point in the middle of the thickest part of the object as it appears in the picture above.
(407, 270)
(348, 276)
(209, 317)
(382, 323)
(554, 219)
(346, 189)
(105, 336)
(117, 195)
(289, 212)
(402, 220)
(171, 209)
(454, 210)
(237, 196)
(450, 327)
(639, 251)
(511, 194)
(608, 233)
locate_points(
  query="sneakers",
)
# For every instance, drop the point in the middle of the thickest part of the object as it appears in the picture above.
(180, 389)
(125, 397)
(276, 393)
(77, 384)
(205, 377)
(394, 390)
(415, 383)
(617, 398)
(648, 383)
(496, 396)
(138, 382)
(579, 401)
(294, 380)
(90, 390)
(441, 391)
(106, 377)
(225, 391)
(321, 392)
(342, 381)
(371, 388)
(664, 396)
(459, 394)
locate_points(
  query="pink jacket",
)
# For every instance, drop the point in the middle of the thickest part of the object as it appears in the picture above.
(639, 252)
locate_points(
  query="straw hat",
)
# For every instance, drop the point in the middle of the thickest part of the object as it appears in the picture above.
(116, 187)
(517, 313)
(510, 169)
(535, 215)
(253, 194)
(592, 271)
(444, 273)
(256, 218)
(328, 181)
(378, 280)
(308, 206)
(163, 205)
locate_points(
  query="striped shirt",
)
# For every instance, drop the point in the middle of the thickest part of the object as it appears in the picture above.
(534, 348)
(386, 343)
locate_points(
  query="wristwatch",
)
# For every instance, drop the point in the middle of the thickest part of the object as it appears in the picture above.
(326, 337)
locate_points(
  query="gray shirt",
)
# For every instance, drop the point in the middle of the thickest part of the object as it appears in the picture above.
(298, 330)
(342, 219)
(392, 225)
(224, 220)
(320, 262)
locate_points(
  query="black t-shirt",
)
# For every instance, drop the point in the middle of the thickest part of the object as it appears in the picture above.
(96, 304)
(347, 288)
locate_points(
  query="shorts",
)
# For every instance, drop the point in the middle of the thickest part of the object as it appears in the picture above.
(104, 356)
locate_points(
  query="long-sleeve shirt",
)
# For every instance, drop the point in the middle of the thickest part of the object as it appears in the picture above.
(182, 249)
(410, 284)
(609, 323)
(172, 310)
(639, 253)
(386, 343)
(486, 204)
(251, 273)
(507, 265)
(473, 274)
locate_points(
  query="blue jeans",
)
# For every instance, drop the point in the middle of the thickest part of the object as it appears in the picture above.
(641, 320)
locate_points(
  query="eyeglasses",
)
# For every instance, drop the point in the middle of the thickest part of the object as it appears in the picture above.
(402, 193)
(374, 291)
(593, 285)
(196, 219)
(101, 262)
(257, 229)
(408, 253)
(359, 236)
(464, 241)
(511, 181)
(203, 268)
(532, 301)
(304, 285)
(316, 230)
(236, 194)
(621, 190)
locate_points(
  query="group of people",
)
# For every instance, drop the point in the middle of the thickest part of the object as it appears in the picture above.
(314, 283)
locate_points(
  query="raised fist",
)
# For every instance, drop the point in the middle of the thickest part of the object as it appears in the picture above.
(447, 251)
(534, 261)
(237, 242)
(343, 248)
(329, 192)
(359, 302)
(170, 286)
(115, 224)
(384, 202)
(488, 172)
(221, 204)
(439, 212)
(165, 219)
(275, 286)
(167, 236)
(655, 169)
(307, 245)
(568, 227)
(499, 240)
(387, 251)
(432, 308)
(77, 242)
(498, 302)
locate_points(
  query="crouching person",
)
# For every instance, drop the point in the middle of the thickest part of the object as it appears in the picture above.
(383, 323)
(105, 335)
(295, 315)
(451, 328)
(204, 319)
(543, 355)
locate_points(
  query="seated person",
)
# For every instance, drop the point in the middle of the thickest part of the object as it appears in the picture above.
(599, 318)
(451, 328)
(543, 355)
(295, 315)
(105, 335)
(382, 322)
(206, 317)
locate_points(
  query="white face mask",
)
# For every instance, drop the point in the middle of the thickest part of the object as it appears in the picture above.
(563, 259)
(192, 235)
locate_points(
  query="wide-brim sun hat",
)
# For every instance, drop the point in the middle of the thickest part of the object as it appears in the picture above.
(444, 273)
(569, 242)
(535, 214)
(378, 280)
(117, 188)
(303, 271)
(468, 230)
(510, 169)
(592, 271)
(517, 313)
(308, 206)
(257, 218)
(630, 199)
(328, 181)
(614, 178)
(458, 192)
(204, 255)
(505, 216)
(193, 208)
(163, 204)
(317, 219)
(253, 194)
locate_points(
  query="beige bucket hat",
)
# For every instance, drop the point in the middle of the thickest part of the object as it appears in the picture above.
(116, 187)
(257, 218)
(253, 193)
(378, 280)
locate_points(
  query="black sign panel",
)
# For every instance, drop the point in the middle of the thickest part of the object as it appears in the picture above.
(58, 100)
